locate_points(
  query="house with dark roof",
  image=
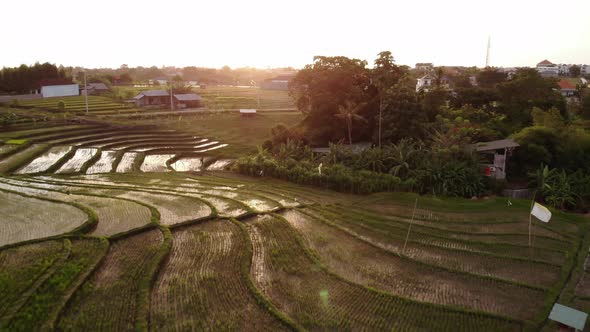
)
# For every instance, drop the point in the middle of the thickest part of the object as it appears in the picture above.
(187, 100)
(95, 89)
(152, 98)
(566, 88)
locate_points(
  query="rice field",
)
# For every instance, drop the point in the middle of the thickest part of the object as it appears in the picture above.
(131, 246)
(202, 279)
(109, 299)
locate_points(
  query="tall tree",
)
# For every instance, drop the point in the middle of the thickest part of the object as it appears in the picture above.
(322, 87)
(385, 75)
(403, 115)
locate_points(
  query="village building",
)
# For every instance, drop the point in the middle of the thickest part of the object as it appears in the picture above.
(566, 88)
(424, 83)
(159, 98)
(547, 69)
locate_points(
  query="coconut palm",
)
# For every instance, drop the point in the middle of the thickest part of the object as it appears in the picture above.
(349, 112)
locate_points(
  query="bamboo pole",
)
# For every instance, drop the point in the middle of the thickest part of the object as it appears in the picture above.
(531, 216)
(410, 227)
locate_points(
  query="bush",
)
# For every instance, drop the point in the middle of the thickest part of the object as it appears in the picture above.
(61, 105)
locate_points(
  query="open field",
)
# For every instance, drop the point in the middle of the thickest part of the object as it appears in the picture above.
(86, 246)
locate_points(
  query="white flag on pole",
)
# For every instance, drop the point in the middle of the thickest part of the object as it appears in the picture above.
(541, 212)
(320, 168)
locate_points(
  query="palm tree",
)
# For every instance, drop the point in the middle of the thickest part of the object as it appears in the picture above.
(348, 112)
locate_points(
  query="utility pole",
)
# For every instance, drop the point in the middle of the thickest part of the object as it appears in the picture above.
(380, 111)
(86, 91)
(171, 98)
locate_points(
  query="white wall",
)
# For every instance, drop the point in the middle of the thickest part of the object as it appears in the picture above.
(60, 90)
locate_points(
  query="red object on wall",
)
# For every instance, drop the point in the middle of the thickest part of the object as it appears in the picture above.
(488, 171)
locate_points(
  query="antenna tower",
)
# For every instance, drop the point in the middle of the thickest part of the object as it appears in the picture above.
(488, 53)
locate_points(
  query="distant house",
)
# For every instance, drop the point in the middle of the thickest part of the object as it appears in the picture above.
(494, 155)
(277, 83)
(566, 88)
(189, 100)
(152, 98)
(424, 66)
(547, 69)
(585, 70)
(424, 83)
(95, 89)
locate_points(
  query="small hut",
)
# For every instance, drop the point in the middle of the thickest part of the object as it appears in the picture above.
(494, 155)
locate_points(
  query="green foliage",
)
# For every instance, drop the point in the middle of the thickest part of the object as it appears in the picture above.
(551, 119)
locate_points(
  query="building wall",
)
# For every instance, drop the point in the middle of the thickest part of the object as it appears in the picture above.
(60, 90)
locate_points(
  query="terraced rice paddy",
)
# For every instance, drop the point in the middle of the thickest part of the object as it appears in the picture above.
(126, 163)
(42, 163)
(156, 163)
(75, 104)
(188, 164)
(77, 161)
(104, 164)
(142, 249)
(202, 279)
(27, 218)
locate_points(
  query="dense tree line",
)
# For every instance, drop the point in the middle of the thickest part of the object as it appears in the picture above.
(25, 78)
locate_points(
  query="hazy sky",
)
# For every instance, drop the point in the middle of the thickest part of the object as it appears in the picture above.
(259, 33)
